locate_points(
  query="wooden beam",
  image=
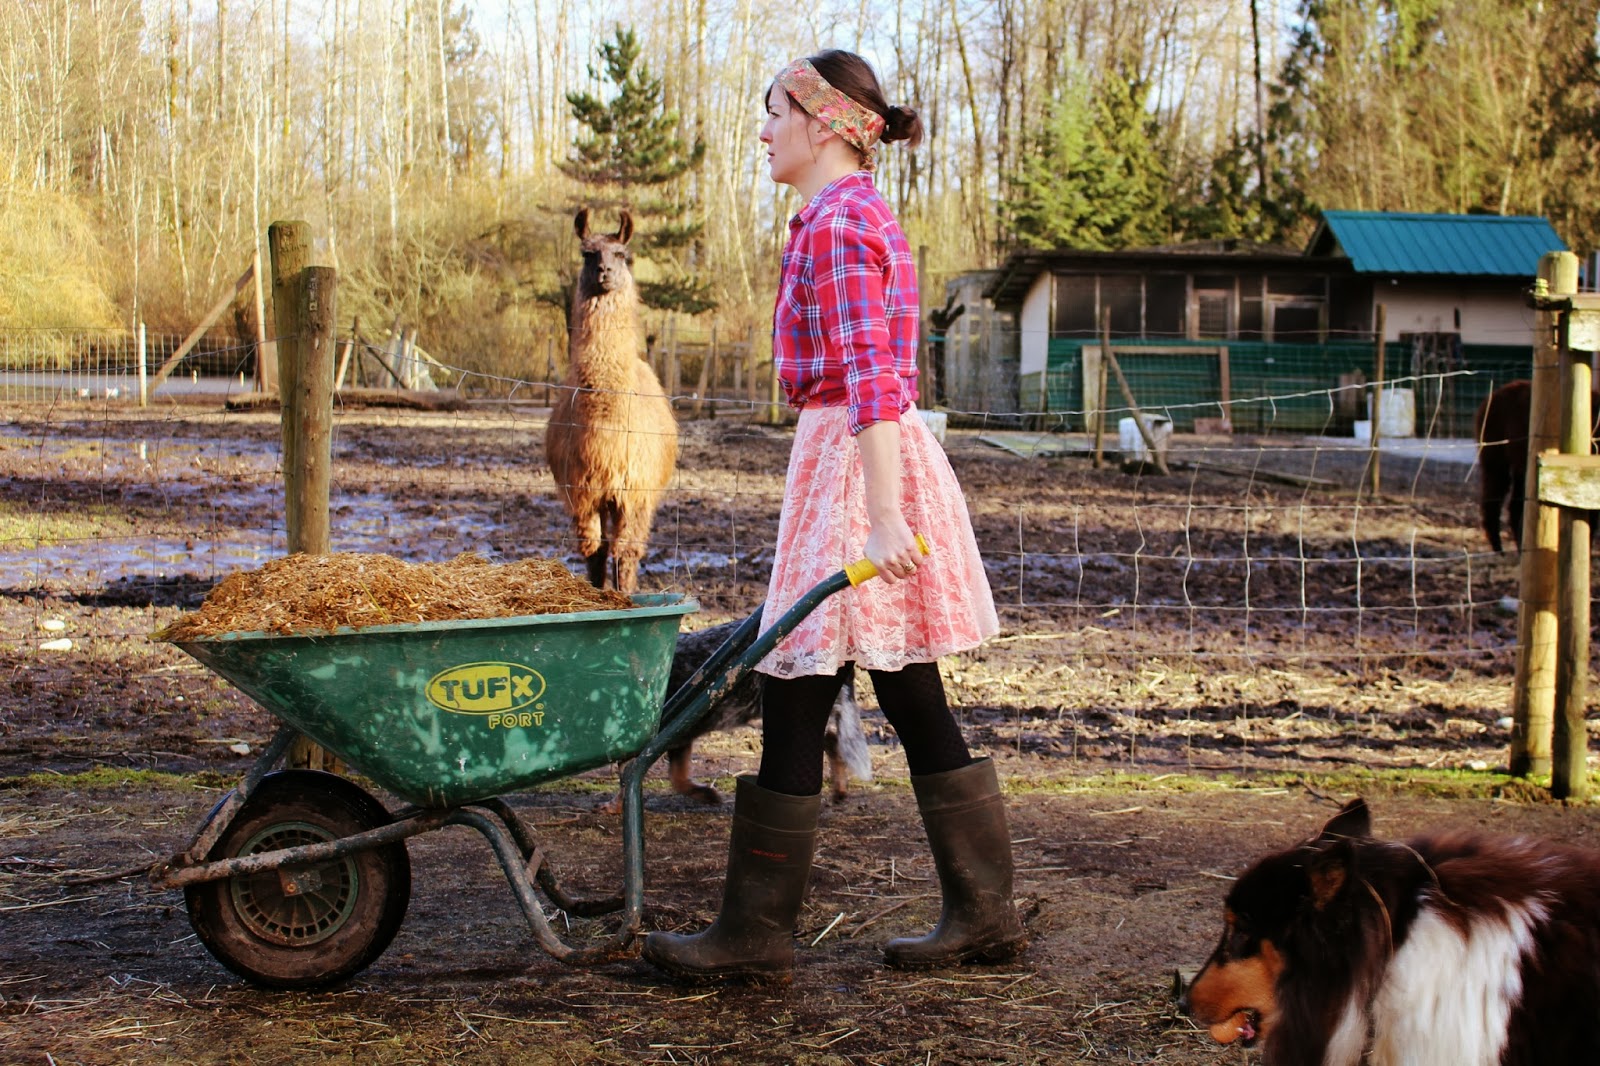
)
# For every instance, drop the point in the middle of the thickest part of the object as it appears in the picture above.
(307, 480)
(199, 331)
(1157, 455)
(1569, 748)
(1570, 481)
(1098, 378)
(1533, 697)
(289, 245)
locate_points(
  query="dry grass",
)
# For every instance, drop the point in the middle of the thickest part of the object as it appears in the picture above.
(52, 265)
(320, 592)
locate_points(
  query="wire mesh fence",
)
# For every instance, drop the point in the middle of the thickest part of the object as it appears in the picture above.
(1264, 568)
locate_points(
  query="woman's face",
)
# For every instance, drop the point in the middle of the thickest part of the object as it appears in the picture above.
(787, 137)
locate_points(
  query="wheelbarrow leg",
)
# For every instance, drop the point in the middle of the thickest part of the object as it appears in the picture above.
(546, 879)
(514, 861)
(216, 823)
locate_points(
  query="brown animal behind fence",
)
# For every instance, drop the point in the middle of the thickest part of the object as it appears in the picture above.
(1501, 427)
(613, 441)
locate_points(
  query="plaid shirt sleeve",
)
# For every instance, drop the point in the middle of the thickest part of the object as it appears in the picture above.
(849, 255)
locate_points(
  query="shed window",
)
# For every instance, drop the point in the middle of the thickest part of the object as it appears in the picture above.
(1124, 296)
(1214, 315)
(1075, 305)
(1291, 285)
(1164, 298)
(1250, 324)
(1297, 323)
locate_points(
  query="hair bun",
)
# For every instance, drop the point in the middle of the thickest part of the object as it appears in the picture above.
(902, 124)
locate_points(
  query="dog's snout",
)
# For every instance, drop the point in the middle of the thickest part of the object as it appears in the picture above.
(1180, 991)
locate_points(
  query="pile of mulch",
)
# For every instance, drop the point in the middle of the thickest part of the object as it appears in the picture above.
(321, 592)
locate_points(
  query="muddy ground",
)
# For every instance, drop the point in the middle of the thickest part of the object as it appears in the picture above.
(1193, 669)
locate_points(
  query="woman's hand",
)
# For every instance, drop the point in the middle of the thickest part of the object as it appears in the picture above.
(891, 546)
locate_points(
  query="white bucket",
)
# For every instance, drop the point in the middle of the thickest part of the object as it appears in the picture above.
(1131, 440)
(936, 421)
(1397, 413)
(1363, 430)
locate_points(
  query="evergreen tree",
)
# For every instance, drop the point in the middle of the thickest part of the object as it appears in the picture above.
(1227, 200)
(632, 154)
(1096, 179)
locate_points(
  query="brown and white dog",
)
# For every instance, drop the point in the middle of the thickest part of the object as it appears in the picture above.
(1454, 949)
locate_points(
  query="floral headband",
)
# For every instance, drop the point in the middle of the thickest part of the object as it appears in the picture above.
(859, 126)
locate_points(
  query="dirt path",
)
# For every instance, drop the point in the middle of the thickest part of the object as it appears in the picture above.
(1121, 888)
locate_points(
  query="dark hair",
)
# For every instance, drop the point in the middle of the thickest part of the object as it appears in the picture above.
(854, 77)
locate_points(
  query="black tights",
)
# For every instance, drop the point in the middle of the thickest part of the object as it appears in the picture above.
(794, 718)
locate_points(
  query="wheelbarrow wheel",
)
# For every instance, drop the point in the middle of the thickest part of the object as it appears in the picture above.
(310, 925)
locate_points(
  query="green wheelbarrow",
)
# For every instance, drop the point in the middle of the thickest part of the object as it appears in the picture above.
(300, 879)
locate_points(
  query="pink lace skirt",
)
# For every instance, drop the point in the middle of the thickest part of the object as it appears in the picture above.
(945, 608)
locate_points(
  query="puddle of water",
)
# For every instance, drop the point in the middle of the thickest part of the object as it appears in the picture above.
(362, 521)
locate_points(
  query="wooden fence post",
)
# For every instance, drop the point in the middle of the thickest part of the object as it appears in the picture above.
(702, 387)
(290, 244)
(345, 354)
(144, 369)
(1100, 389)
(549, 367)
(674, 386)
(711, 360)
(750, 374)
(1375, 436)
(303, 307)
(1569, 753)
(266, 350)
(1534, 694)
(1157, 456)
(310, 476)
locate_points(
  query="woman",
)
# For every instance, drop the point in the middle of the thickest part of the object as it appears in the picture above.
(864, 473)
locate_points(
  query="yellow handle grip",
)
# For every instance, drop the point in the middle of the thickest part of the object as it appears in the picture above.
(863, 569)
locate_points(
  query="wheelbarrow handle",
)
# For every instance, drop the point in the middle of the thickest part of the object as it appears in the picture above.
(743, 650)
(864, 569)
(746, 633)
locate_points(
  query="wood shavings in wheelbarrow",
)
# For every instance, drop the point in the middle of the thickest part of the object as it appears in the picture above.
(321, 592)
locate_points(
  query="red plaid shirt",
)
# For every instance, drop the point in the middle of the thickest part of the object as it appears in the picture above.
(845, 327)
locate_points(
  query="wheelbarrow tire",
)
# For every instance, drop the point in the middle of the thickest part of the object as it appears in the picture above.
(346, 913)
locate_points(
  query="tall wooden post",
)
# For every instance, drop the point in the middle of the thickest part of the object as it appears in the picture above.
(549, 367)
(1569, 769)
(144, 368)
(1100, 389)
(672, 383)
(925, 387)
(266, 351)
(711, 358)
(308, 479)
(750, 374)
(1534, 693)
(303, 308)
(290, 244)
(1377, 401)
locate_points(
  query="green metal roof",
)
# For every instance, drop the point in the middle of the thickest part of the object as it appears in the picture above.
(1388, 242)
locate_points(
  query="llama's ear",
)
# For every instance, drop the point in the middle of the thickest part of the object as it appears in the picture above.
(625, 228)
(1353, 820)
(580, 223)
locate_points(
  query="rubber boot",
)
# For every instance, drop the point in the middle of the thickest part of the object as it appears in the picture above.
(769, 862)
(966, 822)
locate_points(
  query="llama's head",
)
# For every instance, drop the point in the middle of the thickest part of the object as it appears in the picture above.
(606, 258)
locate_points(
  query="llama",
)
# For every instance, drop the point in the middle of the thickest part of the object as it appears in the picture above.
(1501, 427)
(613, 441)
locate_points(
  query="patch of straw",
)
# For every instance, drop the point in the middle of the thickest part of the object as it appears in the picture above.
(304, 593)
